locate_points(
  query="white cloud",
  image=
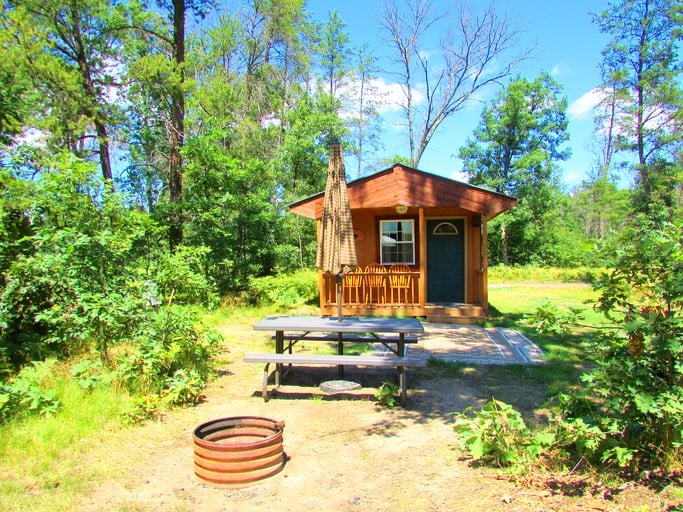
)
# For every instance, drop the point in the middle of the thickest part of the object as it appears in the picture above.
(388, 97)
(582, 107)
(557, 70)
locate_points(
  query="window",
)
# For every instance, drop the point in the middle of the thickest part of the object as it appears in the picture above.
(445, 228)
(397, 242)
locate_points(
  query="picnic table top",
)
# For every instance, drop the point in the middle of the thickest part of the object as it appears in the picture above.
(333, 324)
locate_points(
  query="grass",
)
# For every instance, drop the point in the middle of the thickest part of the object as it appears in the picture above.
(42, 457)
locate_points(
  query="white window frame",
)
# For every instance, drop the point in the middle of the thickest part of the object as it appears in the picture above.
(382, 223)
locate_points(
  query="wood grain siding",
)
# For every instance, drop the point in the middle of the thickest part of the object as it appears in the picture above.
(426, 196)
(410, 187)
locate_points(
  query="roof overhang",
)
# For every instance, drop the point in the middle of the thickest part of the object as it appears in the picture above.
(401, 185)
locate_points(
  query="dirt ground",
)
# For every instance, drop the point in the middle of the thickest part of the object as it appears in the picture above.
(346, 453)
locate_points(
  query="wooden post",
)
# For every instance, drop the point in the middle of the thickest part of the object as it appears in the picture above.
(321, 280)
(422, 291)
(485, 264)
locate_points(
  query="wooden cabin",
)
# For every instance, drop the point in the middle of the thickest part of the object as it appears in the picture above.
(421, 242)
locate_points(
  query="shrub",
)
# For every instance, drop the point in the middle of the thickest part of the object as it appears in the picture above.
(530, 273)
(25, 394)
(180, 277)
(498, 435)
(386, 394)
(285, 290)
(172, 356)
(635, 394)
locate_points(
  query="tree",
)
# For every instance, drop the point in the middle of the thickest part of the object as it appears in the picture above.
(641, 66)
(334, 53)
(365, 124)
(603, 208)
(158, 93)
(69, 52)
(469, 58)
(518, 140)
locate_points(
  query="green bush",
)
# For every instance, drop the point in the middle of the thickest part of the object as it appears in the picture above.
(498, 435)
(285, 290)
(25, 394)
(170, 351)
(635, 393)
(530, 273)
(180, 277)
(386, 394)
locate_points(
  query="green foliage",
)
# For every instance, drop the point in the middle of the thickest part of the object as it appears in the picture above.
(635, 395)
(25, 394)
(535, 113)
(549, 319)
(285, 290)
(386, 394)
(641, 64)
(183, 388)
(180, 277)
(171, 353)
(69, 283)
(515, 149)
(601, 207)
(498, 435)
(230, 211)
(90, 374)
(538, 274)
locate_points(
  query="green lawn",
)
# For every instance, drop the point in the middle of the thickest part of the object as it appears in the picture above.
(566, 354)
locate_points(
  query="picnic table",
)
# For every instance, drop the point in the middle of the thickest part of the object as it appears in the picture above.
(393, 333)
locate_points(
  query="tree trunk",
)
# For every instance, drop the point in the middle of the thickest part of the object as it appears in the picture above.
(177, 135)
(504, 256)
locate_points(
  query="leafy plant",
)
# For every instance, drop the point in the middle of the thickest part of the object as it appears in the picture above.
(498, 435)
(183, 388)
(635, 393)
(171, 361)
(386, 394)
(144, 407)
(25, 394)
(90, 374)
(285, 290)
(549, 319)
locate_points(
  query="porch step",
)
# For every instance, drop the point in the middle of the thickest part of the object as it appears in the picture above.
(463, 314)
(459, 320)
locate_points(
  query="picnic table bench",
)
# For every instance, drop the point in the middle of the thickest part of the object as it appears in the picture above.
(401, 363)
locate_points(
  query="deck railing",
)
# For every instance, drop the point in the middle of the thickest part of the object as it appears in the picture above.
(375, 286)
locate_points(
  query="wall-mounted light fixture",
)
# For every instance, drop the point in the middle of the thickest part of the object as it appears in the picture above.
(401, 209)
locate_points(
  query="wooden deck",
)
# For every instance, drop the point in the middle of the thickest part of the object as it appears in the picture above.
(390, 291)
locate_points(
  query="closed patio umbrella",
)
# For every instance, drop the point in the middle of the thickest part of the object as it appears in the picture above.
(336, 245)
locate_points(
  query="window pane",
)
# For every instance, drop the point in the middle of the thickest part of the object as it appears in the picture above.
(397, 242)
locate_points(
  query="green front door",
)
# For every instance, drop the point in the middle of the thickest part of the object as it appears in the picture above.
(445, 260)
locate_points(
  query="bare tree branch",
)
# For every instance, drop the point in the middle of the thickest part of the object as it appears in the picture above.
(471, 56)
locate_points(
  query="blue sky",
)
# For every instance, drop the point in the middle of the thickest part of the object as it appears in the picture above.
(567, 44)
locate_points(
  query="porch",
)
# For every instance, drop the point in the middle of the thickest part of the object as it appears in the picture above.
(391, 290)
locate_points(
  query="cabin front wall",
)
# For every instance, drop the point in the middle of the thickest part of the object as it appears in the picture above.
(366, 224)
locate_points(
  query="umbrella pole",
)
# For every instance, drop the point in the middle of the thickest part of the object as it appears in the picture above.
(340, 279)
(340, 341)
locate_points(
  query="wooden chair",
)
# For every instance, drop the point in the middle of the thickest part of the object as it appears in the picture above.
(400, 284)
(375, 278)
(353, 288)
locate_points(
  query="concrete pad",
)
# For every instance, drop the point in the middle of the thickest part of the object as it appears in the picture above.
(474, 344)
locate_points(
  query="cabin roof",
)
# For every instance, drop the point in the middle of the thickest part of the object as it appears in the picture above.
(402, 185)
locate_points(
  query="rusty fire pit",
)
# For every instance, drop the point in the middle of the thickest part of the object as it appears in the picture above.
(238, 451)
